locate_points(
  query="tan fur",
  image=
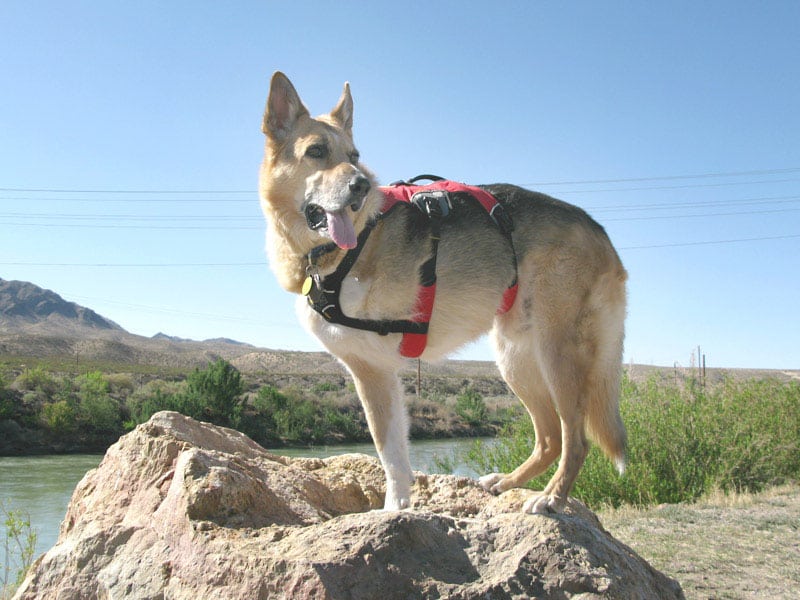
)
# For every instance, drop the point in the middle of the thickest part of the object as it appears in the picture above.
(559, 347)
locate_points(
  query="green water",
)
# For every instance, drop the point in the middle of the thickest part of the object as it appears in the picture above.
(42, 485)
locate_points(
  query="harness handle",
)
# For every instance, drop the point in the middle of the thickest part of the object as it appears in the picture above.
(413, 180)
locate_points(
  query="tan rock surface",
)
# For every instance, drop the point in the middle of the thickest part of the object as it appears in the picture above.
(185, 510)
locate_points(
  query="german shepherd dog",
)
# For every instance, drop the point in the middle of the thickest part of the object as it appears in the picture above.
(559, 347)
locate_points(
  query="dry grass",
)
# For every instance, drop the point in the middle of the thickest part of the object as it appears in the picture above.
(730, 546)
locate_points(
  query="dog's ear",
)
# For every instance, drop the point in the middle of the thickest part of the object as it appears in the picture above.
(284, 107)
(343, 112)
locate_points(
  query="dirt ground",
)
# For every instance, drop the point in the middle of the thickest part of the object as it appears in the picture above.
(724, 547)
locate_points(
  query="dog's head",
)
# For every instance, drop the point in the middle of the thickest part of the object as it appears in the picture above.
(311, 181)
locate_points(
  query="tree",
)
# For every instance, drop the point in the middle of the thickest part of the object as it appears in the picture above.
(100, 410)
(214, 393)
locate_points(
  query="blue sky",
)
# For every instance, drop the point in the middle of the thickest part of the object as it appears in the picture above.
(130, 142)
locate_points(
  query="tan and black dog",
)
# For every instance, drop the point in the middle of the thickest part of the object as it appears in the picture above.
(559, 346)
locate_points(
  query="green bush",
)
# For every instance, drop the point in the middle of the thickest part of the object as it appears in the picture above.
(292, 418)
(36, 380)
(321, 388)
(144, 407)
(213, 394)
(98, 409)
(471, 407)
(7, 409)
(60, 417)
(683, 442)
(19, 545)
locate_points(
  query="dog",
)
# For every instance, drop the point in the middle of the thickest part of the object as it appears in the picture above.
(558, 346)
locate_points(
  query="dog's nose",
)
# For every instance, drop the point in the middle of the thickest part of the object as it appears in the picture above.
(359, 186)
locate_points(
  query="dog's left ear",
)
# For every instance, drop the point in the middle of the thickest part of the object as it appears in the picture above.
(343, 112)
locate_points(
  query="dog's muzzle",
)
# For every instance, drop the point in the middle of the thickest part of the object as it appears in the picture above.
(316, 216)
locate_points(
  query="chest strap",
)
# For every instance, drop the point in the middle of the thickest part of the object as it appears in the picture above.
(434, 201)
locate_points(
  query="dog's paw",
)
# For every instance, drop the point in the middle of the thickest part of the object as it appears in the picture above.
(495, 483)
(393, 504)
(543, 504)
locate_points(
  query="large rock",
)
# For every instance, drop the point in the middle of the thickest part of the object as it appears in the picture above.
(181, 509)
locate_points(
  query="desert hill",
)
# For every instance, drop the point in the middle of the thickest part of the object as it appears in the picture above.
(27, 307)
(38, 323)
(35, 322)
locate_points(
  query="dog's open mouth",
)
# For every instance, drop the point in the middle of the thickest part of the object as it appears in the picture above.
(316, 217)
(338, 225)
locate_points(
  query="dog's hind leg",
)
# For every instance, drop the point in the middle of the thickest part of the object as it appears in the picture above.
(560, 349)
(381, 395)
(518, 366)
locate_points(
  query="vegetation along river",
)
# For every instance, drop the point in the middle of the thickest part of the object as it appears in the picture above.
(41, 486)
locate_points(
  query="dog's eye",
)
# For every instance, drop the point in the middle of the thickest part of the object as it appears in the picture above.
(317, 151)
(354, 156)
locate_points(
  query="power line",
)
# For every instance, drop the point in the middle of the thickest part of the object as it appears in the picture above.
(121, 191)
(264, 263)
(673, 187)
(130, 217)
(131, 200)
(673, 205)
(134, 265)
(761, 200)
(669, 177)
(161, 309)
(713, 175)
(144, 227)
(710, 242)
(690, 216)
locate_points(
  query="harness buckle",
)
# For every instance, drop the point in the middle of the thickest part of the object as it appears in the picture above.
(434, 203)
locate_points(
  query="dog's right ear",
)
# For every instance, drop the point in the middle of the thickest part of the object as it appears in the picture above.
(284, 107)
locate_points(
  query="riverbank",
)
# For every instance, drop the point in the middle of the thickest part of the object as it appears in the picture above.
(47, 412)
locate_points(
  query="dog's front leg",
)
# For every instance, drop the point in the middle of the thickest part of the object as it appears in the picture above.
(381, 395)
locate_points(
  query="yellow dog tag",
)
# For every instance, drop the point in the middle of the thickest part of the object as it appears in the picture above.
(307, 285)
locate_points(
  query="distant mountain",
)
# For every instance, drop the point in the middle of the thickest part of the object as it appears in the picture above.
(169, 338)
(23, 305)
(222, 340)
(39, 323)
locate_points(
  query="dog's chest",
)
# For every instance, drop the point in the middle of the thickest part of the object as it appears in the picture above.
(377, 297)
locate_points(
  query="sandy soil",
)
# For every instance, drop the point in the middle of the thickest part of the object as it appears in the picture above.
(726, 546)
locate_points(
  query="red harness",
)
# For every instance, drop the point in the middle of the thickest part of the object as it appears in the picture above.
(434, 200)
(413, 344)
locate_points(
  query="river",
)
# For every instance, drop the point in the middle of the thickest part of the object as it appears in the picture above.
(41, 486)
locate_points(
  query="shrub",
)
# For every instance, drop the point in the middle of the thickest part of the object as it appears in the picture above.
(19, 546)
(60, 417)
(213, 393)
(98, 409)
(471, 407)
(120, 383)
(321, 388)
(683, 442)
(7, 409)
(36, 380)
(292, 418)
(144, 407)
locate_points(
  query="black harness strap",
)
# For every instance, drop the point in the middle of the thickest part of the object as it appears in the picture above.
(323, 294)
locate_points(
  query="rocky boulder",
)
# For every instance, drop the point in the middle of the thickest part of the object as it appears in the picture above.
(185, 510)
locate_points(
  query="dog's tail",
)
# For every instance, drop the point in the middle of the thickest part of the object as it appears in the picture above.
(603, 421)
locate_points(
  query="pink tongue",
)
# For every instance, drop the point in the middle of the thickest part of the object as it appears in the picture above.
(341, 229)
